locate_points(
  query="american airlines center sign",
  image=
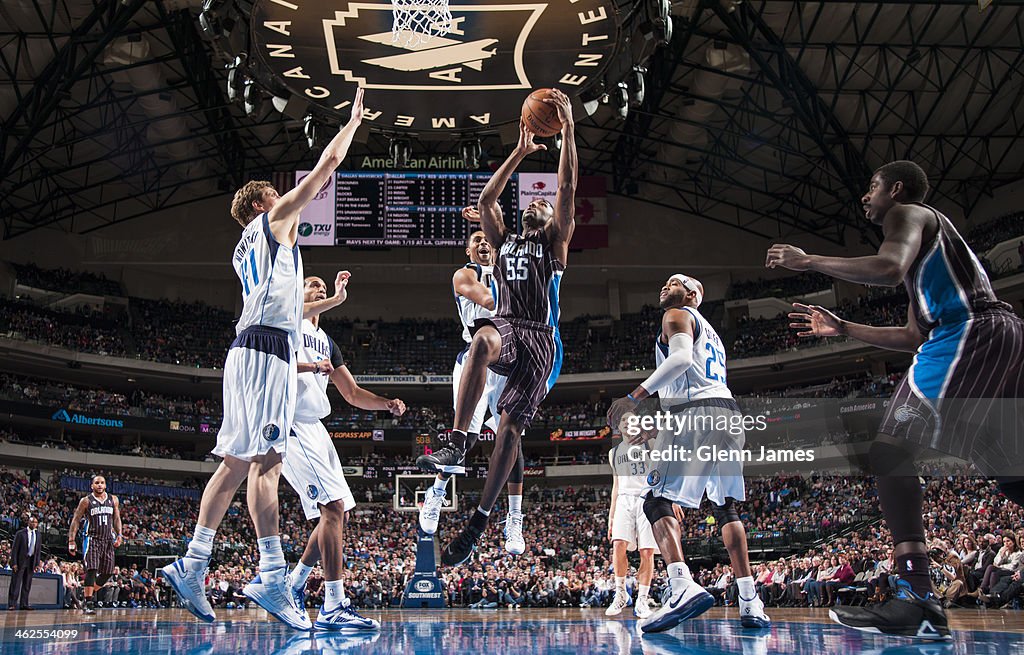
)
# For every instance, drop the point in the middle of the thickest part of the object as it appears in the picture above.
(474, 78)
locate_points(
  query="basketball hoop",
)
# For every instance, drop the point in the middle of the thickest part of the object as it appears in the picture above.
(416, 21)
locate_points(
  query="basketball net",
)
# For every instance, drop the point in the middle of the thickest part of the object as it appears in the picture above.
(416, 21)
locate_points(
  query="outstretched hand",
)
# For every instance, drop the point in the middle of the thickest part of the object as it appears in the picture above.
(815, 321)
(471, 214)
(526, 144)
(357, 108)
(562, 105)
(341, 286)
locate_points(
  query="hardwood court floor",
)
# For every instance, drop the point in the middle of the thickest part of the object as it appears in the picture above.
(533, 632)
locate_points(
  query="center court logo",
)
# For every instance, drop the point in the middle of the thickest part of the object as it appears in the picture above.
(474, 77)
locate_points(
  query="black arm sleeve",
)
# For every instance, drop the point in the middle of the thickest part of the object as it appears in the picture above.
(337, 359)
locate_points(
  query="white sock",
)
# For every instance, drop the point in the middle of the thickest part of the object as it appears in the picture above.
(201, 546)
(440, 484)
(679, 570)
(515, 504)
(299, 575)
(620, 585)
(334, 594)
(485, 512)
(645, 589)
(746, 588)
(271, 555)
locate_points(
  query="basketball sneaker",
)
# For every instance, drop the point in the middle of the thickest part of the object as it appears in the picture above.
(270, 590)
(906, 615)
(447, 459)
(752, 614)
(331, 643)
(514, 542)
(343, 619)
(619, 603)
(642, 608)
(462, 548)
(187, 577)
(683, 599)
(430, 512)
(298, 594)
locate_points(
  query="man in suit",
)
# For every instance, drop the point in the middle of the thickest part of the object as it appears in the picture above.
(24, 560)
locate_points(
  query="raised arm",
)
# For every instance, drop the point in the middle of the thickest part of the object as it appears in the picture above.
(903, 228)
(284, 216)
(491, 221)
(561, 227)
(317, 307)
(816, 321)
(76, 520)
(465, 284)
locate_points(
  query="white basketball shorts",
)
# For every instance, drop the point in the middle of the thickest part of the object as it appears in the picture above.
(630, 524)
(314, 470)
(259, 394)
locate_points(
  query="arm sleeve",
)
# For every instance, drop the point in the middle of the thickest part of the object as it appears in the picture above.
(337, 359)
(680, 348)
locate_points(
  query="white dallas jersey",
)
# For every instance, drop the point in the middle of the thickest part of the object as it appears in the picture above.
(706, 376)
(469, 311)
(311, 402)
(631, 473)
(271, 276)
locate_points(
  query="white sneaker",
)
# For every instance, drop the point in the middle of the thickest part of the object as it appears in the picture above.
(684, 599)
(618, 604)
(752, 614)
(187, 577)
(344, 619)
(430, 512)
(270, 591)
(642, 608)
(514, 542)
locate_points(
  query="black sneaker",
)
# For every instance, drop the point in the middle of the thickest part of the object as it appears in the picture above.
(460, 550)
(447, 459)
(906, 615)
(90, 608)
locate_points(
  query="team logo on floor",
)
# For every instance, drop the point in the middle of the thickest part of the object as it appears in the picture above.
(312, 492)
(271, 432)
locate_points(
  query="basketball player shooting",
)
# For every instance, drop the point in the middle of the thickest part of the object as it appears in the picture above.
(969, 354)
(473, 286)
(521, 341)
(260, 386)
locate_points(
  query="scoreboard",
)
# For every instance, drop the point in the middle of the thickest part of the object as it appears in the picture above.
(398, 209)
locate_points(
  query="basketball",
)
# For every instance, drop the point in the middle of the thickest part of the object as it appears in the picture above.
(540, 117)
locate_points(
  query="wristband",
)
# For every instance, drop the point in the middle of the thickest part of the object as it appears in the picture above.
(630, 396)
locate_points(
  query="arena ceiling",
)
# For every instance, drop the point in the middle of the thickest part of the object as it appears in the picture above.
(765, 116)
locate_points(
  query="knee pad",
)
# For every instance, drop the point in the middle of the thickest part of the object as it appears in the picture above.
(656, 508)
(726, 513)
(890, 459)
(90, 578)
(1012, 488)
